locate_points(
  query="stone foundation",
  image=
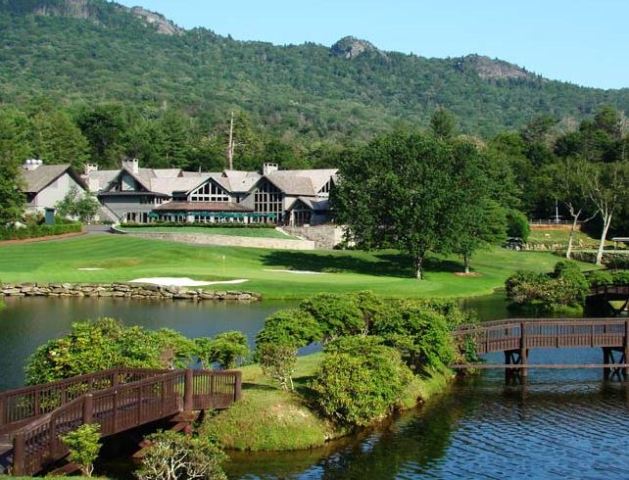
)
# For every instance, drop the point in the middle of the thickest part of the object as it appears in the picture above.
(123, 290)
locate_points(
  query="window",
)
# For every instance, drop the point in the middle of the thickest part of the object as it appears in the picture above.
(325, 190)
(269, 199)
(209, 192)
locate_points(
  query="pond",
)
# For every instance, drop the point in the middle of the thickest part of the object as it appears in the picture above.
(562, 424)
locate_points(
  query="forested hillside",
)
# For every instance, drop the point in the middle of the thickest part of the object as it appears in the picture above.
(82, 52)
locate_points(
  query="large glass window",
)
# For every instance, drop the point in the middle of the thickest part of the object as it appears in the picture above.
(209, 192)
(269, 199)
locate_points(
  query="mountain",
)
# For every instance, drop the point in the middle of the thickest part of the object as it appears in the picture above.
(85, 51)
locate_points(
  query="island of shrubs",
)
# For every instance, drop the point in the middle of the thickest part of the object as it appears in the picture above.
(565, 288)
(376, 354)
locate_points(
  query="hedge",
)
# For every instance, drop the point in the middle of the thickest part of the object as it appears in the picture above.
(36, 231)
(203, 225)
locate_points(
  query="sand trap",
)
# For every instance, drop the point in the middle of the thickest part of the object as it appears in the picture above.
(183, 282)
(297, 272)
(90, 269)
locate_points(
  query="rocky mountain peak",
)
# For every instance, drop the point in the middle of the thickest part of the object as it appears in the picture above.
(492, 69)
(351, 47)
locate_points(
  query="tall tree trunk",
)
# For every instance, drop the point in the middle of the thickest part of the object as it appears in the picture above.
(575, 220)
(419, 261)
(466, 262)
(607, 221)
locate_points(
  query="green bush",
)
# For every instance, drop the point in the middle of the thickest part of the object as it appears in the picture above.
(84, 446)
(620, 278)
(599, 278)
(105, 344)
(422, 335)
(36, 231)
(518, 225)
(176, 456)
(290, 326)
(336, 315)
(360, 381)
(278, 361)
(228, 349)
(567, 286)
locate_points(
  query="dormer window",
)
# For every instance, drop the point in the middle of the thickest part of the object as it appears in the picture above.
(325, 190)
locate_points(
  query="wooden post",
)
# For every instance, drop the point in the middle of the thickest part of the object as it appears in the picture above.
(188, 391)
(3, 411)
(238, 386)
(523, 350)
(114, 411)
(19, 455)
(88, 409)
(625, 370)
(606, 360)
(37, 404)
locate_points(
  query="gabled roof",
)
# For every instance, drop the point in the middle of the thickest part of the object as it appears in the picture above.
(238, 181)
(38, 179)
(301, 182)
(321, 205)
(178, 184)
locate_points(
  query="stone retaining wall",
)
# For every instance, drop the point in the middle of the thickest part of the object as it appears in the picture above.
(227, 240)
(325, 236)
(122, 290)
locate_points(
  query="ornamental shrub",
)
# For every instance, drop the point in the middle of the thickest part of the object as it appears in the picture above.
(292, 326)
(278, 361)
(104, 344)
(175, 456)
(84, 446)
(228, 349)
(337, 315)
(599, 278)
(359, 381)
(620, 277)
(36, 231)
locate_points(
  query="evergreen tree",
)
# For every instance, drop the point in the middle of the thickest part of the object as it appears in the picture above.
(56, 139)
(14, 150)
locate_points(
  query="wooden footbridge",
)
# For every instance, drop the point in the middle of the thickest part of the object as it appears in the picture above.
(516, 337)
(33, 418)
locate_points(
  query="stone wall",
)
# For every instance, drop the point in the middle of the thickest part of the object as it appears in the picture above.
(122, 290)
(228, 240)
(324, 236)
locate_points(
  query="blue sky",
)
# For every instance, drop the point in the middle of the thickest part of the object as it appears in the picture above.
(580, 41)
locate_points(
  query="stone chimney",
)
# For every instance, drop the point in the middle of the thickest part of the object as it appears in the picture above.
(268, 168)
(133, 165)
(89, 168)
(32, 164)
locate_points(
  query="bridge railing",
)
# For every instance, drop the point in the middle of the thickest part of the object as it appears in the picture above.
(26, 403)
(120, 408)
(513, 334)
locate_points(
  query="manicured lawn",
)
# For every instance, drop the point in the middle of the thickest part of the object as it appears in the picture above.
(124, 258)
(560, 236)
(233, 231)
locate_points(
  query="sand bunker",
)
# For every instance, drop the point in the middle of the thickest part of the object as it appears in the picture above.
(297, 272)
(183, 282)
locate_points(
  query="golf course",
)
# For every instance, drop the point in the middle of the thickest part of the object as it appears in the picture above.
(274, 274)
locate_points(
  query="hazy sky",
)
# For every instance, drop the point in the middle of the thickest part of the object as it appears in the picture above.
(581, 41)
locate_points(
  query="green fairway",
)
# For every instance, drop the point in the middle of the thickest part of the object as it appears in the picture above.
(125, 258)
(231, 231)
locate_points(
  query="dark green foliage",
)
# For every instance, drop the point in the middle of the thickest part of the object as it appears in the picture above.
(336, 315)
(518, 225)
(104, 344)
(599, 278)
(566, 287)
(359, 381)
(177, 456)
(14, 149)
(78, 205)
(228, 349)
(295, 327)
(36, 231)
(84, 446)
(422, 335)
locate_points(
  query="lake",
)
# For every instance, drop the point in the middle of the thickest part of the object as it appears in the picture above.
(562, 424)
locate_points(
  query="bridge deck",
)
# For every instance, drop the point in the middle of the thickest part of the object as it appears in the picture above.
(33, 418)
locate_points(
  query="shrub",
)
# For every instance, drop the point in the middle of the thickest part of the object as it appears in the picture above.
(104, 344)
(175, 456)
(360, 381)
(290, 326)
(620, 278)
(36, 231)
(228, 349)
(599, 278)
(337, 315)
(518, 225)
(422, 335)
(84, 446)
(278, 361)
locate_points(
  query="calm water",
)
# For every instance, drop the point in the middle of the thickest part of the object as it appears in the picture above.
(562, 424)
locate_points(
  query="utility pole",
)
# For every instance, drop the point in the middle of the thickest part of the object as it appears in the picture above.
(230, 147)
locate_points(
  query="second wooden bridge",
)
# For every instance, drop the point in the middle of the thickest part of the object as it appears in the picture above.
(516, 337)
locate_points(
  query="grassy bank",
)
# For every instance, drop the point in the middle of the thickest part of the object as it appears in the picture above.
(121, 258)
(269, 419)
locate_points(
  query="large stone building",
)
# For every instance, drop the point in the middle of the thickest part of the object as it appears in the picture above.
(144, 195)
